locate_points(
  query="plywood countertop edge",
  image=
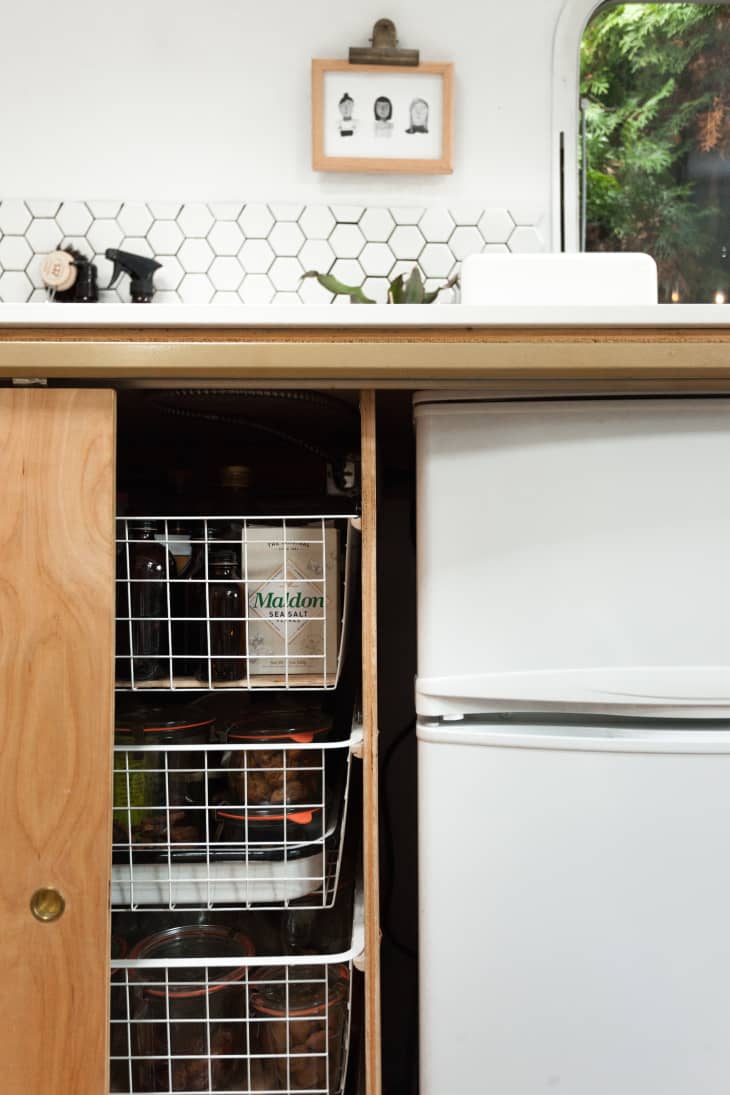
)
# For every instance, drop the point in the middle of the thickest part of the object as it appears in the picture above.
(375, 357)
(351, 334)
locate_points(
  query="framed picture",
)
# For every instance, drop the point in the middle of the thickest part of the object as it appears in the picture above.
(382, 117)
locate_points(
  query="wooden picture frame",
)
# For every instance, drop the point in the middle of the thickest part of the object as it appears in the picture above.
(382, 118)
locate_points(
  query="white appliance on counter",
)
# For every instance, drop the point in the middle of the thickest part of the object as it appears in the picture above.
(573, 697)
(601, 277)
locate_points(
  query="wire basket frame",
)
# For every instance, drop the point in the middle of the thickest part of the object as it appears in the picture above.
(241, 1024)
(230, 826)
(282, 1028)
(234, 603)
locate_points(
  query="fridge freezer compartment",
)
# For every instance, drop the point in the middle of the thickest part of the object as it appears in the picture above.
(244, 1023)
(563, 538)
(170, 846)
(233, 603)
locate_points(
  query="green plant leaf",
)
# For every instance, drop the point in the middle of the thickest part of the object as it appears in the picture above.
(414, 290)
(400, 291)
(431, 295)
(332, 285)
(395, 290)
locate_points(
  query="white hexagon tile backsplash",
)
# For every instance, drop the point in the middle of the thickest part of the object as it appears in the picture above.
(230, 252)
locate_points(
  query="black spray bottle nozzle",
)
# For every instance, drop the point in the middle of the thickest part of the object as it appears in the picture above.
(140, 269)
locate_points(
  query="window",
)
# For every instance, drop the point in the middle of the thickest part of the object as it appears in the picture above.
(654, 147)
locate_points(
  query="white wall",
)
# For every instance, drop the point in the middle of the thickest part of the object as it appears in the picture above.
(184, 99)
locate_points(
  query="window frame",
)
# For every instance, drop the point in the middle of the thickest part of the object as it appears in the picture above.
(575, 15)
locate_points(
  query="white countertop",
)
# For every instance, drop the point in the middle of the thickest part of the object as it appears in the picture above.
(357, 316)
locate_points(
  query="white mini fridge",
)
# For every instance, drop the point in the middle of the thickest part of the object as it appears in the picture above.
(573, 700)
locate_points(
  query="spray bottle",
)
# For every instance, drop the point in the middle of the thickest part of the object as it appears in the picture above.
(140, 269)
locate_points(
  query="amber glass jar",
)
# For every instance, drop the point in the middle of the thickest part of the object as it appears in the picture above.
(188, 1024)
(227, 608)
(151, 566)
(300, 1027)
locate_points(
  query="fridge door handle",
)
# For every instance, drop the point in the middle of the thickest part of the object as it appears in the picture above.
(692, 738)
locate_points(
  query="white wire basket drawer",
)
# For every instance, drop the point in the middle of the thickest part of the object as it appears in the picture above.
(235, 1023)
(232, 602)
(216, 826)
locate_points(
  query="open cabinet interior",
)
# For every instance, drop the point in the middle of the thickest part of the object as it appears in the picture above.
(245, 949)
(239, 910)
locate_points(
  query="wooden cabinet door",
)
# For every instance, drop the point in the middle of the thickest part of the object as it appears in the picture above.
(56, 723)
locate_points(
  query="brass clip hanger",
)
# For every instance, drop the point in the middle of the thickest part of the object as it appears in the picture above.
(384, 49)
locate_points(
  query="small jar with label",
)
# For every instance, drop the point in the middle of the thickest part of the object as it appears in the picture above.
(159, 794)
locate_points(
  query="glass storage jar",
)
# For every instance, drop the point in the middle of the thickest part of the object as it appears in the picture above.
(299, 1027)
(274, 794)
(189, 1027)
(159, 795)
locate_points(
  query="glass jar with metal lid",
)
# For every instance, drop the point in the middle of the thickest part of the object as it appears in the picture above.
(189, 1030)
(299, 1027)
(159, 794)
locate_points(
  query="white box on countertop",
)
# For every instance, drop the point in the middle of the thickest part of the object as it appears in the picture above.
(594, 277)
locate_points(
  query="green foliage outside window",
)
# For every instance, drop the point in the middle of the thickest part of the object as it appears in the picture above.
(656, 78)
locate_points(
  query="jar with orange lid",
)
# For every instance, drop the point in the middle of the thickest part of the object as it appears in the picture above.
(189, 1031)
(299, 1027)
(159, 794)
(274, 793)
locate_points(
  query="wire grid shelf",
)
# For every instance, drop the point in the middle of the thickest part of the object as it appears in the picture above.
(222, 827)
(232, 602)
(243, 1024)
(203, 1028)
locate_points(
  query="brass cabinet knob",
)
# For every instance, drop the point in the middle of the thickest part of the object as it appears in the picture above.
(47, 905)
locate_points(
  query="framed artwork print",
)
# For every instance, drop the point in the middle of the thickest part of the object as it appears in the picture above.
(382, 117)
